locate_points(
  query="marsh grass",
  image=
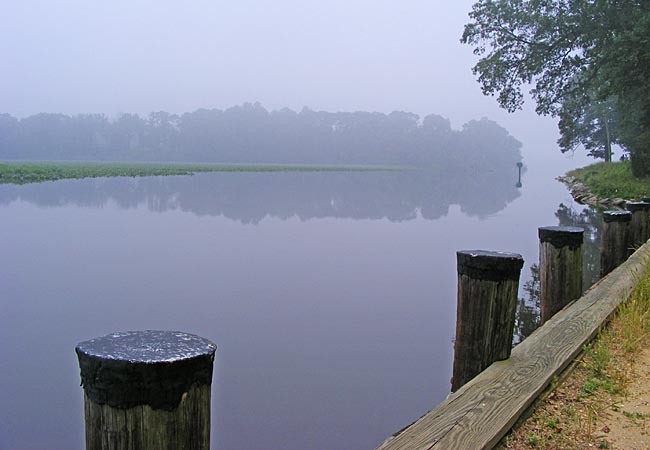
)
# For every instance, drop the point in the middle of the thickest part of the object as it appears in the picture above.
(567, 415)
(36, 172)
(612, 180)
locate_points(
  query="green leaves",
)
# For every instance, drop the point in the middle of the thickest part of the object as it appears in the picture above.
(587, 61)
(522, 43)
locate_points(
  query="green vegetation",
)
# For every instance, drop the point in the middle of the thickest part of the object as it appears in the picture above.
(532, 439)
(635, 415)
(586, 62)
(610, 180)
(596, 365)
(36, 172)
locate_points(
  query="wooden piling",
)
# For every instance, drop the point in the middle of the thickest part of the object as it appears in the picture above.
(639, 224)
(614, 240)
(147, 390)
(560, 268)
(487, 296)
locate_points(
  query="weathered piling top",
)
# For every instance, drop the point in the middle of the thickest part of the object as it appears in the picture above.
(617, 216)
(151, 367)
(561, 236)
(484, 265)
(637, 206)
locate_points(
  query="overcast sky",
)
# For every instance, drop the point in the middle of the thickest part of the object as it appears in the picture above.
(121, 56)
(118, 56)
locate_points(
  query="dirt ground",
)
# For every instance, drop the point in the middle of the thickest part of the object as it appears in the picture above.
(615, 415)
(626, 424)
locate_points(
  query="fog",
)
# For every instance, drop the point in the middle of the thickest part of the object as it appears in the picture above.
(75, 56)
(278, 255)
(117, 57)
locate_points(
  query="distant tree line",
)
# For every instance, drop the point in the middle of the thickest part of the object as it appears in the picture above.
(251, 134)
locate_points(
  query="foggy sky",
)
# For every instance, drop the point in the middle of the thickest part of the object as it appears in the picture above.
(81, 56)
(77, 56)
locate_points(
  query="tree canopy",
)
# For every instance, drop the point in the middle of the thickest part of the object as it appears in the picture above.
(585, 61)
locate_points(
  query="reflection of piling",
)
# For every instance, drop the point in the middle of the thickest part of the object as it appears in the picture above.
(614, 241)
(639, 224)
(147, 390)
(560, 268)
(485, 317)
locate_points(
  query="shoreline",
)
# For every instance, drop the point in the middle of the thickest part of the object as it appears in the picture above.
(581, 194)
(37, 172)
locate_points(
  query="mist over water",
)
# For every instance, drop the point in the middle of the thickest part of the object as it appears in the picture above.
(251, 197)
(331, 296)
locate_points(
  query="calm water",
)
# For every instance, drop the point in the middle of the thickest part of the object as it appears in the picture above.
(331, 296)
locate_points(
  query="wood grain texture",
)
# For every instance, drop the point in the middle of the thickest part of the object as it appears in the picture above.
(614, 245)
(484, 325)
(560, 275)
(480, 413)
(144, 428)
(639, 226)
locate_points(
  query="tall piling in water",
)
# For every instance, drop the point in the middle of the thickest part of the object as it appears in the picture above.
(487, 297)
(560, 268)
(639, 224)
(147, 390)
(614, 240)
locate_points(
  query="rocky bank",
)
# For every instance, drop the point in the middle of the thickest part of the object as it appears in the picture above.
(581, 194)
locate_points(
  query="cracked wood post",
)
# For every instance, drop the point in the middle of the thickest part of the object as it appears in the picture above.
(614, 240)
(560, 268)
(639, 225)
(147, 390)
(647, 200)
(488, 283)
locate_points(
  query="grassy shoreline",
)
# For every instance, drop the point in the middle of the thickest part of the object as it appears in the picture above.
(37, 172)
(610, 180)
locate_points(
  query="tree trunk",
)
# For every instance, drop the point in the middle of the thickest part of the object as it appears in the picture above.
(608, 144)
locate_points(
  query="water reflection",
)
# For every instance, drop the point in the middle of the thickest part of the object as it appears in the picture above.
(249, 197)
(527, 317)
(592, 221)
(334, 313)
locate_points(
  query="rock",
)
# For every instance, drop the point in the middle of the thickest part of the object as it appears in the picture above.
(581, 194)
